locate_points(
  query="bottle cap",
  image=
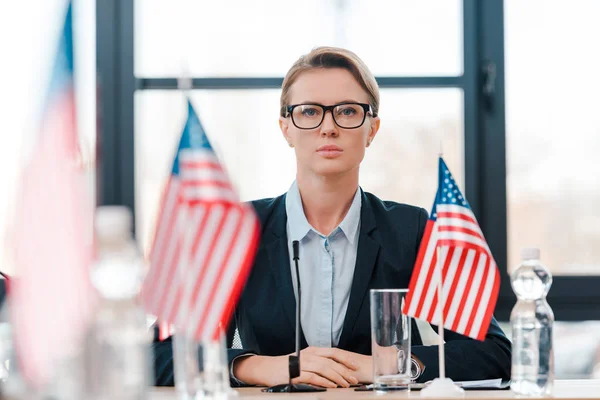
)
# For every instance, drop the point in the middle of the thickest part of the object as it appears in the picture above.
(113, 221)
(530, 253)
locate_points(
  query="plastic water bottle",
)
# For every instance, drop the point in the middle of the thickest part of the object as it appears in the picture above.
(118, 345)
(532, 320)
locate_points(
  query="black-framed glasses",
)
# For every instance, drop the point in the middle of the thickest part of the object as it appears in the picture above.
(345, 115)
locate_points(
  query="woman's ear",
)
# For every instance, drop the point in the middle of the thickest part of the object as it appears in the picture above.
(374, 128)
(284, 125)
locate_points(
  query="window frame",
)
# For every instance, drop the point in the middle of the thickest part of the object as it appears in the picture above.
(571, 297)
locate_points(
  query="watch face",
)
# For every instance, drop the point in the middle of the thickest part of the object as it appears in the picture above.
(415, 370)
(402, 362)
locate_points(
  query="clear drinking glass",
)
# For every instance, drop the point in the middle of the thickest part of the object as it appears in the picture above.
(390, 338)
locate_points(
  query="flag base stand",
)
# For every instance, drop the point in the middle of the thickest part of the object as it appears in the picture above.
(186, 365)
(442, 388)
(216, 370)
(201, 371)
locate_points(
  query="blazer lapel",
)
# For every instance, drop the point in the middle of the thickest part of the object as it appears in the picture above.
(366, 257)
(279, 260)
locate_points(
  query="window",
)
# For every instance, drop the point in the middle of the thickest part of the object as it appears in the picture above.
(264, 37)
(553, 133)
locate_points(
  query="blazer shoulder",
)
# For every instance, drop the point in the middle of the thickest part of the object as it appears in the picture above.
(394, 211)
(265, 208)
(397, 223)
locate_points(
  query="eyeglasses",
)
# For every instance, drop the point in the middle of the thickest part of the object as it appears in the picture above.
(345, 115)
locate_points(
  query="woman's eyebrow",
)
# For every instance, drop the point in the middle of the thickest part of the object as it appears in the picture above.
(321, 104)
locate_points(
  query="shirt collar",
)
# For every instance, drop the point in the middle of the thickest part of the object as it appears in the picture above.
(351, 221)
(299, 226)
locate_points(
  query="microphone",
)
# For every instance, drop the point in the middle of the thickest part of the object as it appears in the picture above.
(294, 360)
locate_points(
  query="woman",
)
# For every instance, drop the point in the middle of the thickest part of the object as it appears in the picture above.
(350, 242)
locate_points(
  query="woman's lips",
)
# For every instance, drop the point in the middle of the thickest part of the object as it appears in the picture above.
(329, 151)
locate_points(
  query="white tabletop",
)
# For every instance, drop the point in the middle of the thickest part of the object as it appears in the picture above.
(563, 389)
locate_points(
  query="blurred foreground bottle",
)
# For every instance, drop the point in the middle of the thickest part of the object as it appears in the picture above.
(532, 320)
(118, 345)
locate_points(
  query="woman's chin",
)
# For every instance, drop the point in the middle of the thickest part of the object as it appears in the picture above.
(333, 170)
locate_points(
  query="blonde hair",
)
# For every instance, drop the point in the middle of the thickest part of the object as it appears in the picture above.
(331, 57)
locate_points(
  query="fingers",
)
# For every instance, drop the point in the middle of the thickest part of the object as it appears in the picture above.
(347, 374)
(314, 379)
(329, 369)
(341, 356)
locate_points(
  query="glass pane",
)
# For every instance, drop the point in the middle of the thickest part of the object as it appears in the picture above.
(265, 37)
(401, 164)
(553, 133)
(33, 29)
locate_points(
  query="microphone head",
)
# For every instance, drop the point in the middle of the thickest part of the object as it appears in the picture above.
(296, 248)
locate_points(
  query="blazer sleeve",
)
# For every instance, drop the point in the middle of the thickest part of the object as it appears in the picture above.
(162, 352)
(466, 358)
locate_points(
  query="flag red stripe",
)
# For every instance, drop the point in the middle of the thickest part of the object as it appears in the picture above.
(434, 303)
(200, 165)
(423, 294)
(201, 183)
(165, 219)
(204, 263)
(164, 330)
(227, 246)
(158, 254)
(242, 276)
(448, 214)
(491, 306)
(462, 244)
(219, 277)
(170, 277)
(199, 236)
(195, 202)
(164, 238)
(451, 228)
(171, 270)
(176, 282)
(479, 294)
(457, 275)
(432, 309)
(182, 280)
(465, 293)
(419, 263)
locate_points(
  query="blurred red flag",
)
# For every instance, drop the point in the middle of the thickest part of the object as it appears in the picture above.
(51, 294)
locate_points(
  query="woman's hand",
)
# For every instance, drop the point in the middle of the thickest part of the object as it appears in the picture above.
(325, 367)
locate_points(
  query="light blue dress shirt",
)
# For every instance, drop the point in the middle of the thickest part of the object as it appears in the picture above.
(326, 265)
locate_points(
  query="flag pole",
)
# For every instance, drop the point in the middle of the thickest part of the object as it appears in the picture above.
(440, 293)
(185, 354)
(441, 306)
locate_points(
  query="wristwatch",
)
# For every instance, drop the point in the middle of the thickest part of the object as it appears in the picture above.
(415, 369)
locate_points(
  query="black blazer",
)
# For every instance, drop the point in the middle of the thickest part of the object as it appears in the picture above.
(389, 239)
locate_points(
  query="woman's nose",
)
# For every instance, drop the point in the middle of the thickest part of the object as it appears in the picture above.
(328, 126)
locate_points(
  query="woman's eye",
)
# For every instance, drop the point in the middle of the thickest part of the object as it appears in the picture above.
(309, 112)
(347, 111)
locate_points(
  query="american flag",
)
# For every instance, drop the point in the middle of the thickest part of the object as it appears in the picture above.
(470, 277)
(51, 295)
(204, 244)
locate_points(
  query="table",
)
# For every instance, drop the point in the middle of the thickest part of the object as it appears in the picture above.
(563, 389)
